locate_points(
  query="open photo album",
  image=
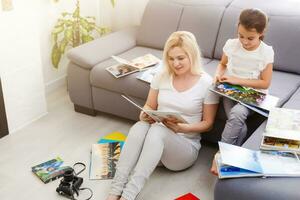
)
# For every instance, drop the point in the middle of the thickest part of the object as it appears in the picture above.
(282, 130)
(126, 67)
(156, 115)
(234, 161)
(253, 99)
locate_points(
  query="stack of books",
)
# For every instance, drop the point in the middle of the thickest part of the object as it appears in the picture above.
(279, 154)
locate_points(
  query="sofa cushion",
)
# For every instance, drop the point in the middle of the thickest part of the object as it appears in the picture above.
(160, 19)
(282, 16)
(203, 21)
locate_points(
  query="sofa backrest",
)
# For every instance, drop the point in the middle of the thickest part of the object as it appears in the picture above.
(201, 17)
(282, 33)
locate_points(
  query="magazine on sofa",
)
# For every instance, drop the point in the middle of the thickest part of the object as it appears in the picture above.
(282, 130)
(156, 115)
(125, 67)
(104, 158)
(249, 97)
(234, 161)
(148, 74)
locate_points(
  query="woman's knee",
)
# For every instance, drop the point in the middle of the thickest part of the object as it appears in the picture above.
(138, 130)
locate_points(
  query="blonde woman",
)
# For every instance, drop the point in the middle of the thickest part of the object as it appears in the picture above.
(181, 87)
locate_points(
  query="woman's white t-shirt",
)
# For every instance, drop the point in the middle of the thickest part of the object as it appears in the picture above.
(247, 64)
(189, 102)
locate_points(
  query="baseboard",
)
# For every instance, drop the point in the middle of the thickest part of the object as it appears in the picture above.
(55, 84)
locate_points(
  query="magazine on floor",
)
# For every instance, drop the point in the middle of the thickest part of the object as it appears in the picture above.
(50, 170)
(115, 136)
(104, 158)
(234, 161)
(156, 115)
(126, 67)
(253, 99)
(282, 130)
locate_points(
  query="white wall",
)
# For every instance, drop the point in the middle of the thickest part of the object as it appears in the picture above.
(20, 64)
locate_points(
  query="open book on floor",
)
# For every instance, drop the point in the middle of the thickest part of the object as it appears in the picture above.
(156, 115)
(249, 97)
(104, 158)
(234, 161)
(282, 130)
(125, 67)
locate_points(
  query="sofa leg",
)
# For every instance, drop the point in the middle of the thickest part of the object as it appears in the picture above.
(85, 110)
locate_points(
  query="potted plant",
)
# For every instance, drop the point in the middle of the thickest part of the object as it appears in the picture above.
(71, 30)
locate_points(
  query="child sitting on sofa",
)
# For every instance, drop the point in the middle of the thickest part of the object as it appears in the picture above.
(182, 87)
(246, 61)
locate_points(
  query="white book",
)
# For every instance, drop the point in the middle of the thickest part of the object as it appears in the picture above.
(156, 115)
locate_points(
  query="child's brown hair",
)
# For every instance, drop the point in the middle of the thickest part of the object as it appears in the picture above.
(253, 18)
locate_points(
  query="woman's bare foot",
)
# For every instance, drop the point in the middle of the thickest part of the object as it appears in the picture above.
(213, 168)
(113, 197)
(122, 198)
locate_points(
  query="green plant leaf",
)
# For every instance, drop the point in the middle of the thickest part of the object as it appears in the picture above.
(113, 3)
(76, 13)
(68, 34)
(86, 38)
(58, 29)
(63, 45)
(55, 56)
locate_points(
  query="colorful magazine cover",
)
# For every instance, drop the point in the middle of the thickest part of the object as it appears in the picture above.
(113, 137)
(148, 75)
(50, 170)
(104, 158)
(255, 100)
(188, 196)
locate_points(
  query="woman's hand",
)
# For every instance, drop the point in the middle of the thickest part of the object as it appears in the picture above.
(145, 117)
(175, 126)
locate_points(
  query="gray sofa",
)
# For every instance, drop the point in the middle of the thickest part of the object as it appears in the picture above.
(94, 91)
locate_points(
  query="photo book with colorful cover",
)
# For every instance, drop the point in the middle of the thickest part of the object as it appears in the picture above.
(253, 99)
(157, 115)
(104, 158)
(50, 170)
(282, 131)
(234, 161)
(125, 67)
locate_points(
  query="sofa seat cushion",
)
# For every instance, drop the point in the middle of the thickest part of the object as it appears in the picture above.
(129, 84)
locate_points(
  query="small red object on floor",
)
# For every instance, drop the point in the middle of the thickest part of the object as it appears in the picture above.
(188, 196)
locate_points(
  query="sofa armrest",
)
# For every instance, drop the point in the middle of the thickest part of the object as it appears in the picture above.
(94, 52)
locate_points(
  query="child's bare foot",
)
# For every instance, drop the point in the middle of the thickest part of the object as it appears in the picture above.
(113, 197)
(213, 168)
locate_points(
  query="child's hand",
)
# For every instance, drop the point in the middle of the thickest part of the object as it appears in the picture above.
(229, 79)
(217, 79)
(145, 117)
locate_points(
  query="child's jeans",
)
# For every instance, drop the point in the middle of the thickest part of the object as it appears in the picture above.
(235, 130)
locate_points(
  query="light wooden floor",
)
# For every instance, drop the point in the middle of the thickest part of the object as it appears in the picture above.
(70, 135)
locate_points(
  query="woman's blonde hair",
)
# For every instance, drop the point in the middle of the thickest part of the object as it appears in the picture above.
(188, 43)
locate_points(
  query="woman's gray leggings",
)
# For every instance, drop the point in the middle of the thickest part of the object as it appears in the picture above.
(146, 145)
